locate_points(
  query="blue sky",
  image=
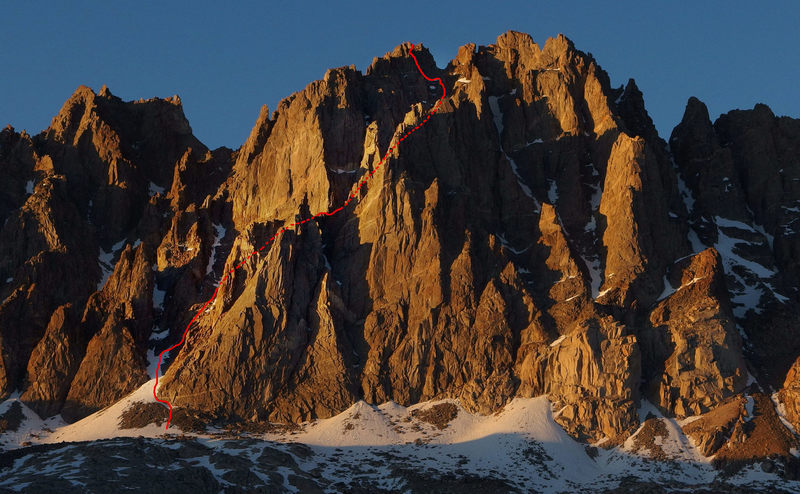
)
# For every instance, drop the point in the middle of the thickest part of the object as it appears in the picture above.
(225, 62)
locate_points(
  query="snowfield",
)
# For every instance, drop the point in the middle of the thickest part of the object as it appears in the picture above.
(522, 445)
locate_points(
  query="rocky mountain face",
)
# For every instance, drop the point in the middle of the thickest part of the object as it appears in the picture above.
(536, 237)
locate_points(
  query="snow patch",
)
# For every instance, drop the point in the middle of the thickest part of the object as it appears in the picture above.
(688, 420)
(601, 294)
(668, 290)
(676, 445)
(728, 223)
(105, 423)
(152, 362)
(158, 335)
(697, 245)
(219, 234)
(597, 196)
(464, 80)
(508, 247)
(754, 477)
(158, 297)
(525, 189)
(205, 462)
(749, 406)
(593, 266)
(684, 191)
(552, 192)
(105, 260)
(522, 441)
(770, 238)
(479, 444)
(497, 117)
(155, 189)
(559, 339)
(31, 429)
(780, 409)
(748, 293)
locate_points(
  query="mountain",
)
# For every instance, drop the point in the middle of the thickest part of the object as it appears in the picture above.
(536, 238)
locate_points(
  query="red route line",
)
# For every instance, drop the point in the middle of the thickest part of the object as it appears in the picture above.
(278, 233)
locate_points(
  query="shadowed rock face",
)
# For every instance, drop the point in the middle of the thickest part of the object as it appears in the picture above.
(536, 236)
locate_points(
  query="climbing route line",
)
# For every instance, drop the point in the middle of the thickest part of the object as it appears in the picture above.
(352, 196)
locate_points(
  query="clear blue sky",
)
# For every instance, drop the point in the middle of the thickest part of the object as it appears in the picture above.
(225, 62)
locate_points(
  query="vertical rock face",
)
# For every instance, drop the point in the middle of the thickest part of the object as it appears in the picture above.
(741, 176)
(693, 336)
(54, 362)
(451, 275)
(270, 325)
(789, 395)
(111, 150)
(638, 237)
(592, 376)
(111, 355)
(72, 198)
(536, 236)
(44, 266)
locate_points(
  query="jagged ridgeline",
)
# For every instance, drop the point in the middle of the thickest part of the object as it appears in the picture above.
(537, 237)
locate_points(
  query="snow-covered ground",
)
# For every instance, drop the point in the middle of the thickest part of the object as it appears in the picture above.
(521, 444)
(103, 424)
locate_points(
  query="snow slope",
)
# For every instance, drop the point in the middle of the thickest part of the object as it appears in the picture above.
(521, 444)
